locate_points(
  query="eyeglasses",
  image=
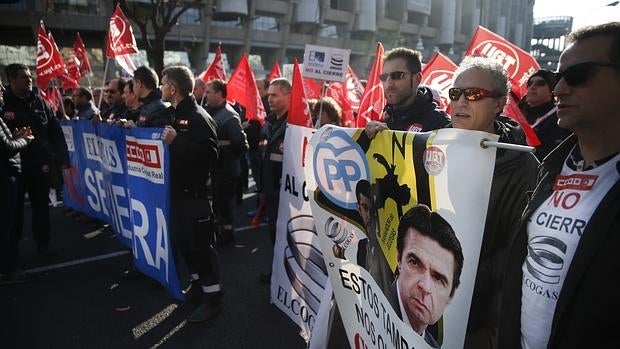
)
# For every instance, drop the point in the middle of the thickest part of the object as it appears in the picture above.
(538, 83)
(471, 94)
(580, 73)
(395, 75)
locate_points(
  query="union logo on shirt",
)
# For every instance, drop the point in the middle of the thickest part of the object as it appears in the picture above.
(575, 181)
(415, 128)
(9, 115)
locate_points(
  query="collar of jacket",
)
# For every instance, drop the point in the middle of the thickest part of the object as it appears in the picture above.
(423, 104)
(187, 105)
(532, 113)
(153, 95)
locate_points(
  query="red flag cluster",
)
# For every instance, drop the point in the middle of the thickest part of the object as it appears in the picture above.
(438, 73)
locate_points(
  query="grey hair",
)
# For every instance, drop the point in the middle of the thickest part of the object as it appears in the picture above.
(499, 75)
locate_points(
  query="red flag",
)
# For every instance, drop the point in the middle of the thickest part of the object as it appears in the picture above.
(120, 36)
(68, 82)
(311, 88)
(299, 113)
(438, 73)
(52, 96)
(216, 68)
(275, 71)
(73, 68)
(519, 64)
(242, 89)
(79, 50)
(373, 99)
(49, 60)
(348, 95)
(512, 110)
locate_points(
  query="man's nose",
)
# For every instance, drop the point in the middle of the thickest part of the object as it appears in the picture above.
(424, 283)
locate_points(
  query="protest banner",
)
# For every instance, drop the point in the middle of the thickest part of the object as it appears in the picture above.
(359, 189)
(122, 177)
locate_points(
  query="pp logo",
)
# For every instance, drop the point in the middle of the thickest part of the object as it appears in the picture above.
(339, 163)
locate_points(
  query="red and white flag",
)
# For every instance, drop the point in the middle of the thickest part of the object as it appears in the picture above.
(275, 71)
(73, 68)
(438, 73)
(348, 95)
(242, 89)
(373, 99)
(79, 50)
(512, 110)
(299, 113)
(311, 88)
(49, 60)
(519, 64)
(121, 41)
(216, 68)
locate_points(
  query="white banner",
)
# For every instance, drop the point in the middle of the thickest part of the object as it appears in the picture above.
(325, 63)
(437, 185)
(299, 280)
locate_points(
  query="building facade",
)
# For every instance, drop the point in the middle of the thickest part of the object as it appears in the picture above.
(278, 30)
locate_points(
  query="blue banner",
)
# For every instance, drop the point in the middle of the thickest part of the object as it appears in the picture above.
(122, 176)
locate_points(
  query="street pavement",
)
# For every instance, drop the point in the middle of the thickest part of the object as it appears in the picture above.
(79, 299)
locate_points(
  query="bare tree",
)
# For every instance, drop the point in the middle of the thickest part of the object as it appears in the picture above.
(160, 16)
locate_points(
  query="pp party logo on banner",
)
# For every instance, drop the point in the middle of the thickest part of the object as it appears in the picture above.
(339, 163)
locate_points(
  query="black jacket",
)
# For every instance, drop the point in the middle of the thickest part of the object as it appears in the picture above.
(9, 149)
(48, 146)
(588, 304)
(423, 115)
(514, 175)
(548, 131)
(231, 140)
(115, 112)
(271, 170)
(194, 151)
(154, 112)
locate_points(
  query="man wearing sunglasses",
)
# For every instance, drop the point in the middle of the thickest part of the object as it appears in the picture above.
(114, 98)
(557, 291)
(409, 106)
(477, 100)
(539, 108)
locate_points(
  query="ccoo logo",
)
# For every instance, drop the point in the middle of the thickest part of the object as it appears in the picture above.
(500, 52)
(339, 162)
(44, 51)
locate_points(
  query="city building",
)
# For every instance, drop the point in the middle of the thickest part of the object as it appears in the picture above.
(278, 30)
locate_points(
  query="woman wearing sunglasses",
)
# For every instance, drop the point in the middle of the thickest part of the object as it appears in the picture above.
(477, 100)
(539, 108)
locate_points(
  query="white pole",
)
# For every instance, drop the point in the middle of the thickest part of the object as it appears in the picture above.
(485, 143)
(317, 124)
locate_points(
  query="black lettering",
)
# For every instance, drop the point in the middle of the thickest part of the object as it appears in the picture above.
(396, 145)
(343, 278)
(303, 191)
(578, 225)
(356, 285)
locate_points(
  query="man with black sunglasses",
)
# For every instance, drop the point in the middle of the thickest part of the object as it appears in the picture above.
(410, 107)
(477, 100)
(557, 291)
(539, 108)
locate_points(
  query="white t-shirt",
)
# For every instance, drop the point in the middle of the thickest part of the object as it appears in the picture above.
(554, 231)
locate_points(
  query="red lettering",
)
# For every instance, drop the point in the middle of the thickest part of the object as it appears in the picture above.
(566, 200)
(146, 154)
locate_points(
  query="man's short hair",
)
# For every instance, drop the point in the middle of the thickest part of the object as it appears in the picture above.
(500, 84)
(431, 224)
(12, 69)
(147, 77)
(412, 57)
(218, 85)
(84, 92)
(182, 77)
(121, 84)
(282, 83)
(265, 82)
(610, 30)
(362, 188)
(130, 85)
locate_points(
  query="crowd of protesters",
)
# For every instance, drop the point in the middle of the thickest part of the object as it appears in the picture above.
(572, 111)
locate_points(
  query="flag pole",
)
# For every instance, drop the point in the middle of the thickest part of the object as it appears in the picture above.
(62, 100)
(318, 118)
(105, 73)
(485, 143)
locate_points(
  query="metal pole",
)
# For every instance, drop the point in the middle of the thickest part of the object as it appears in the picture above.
(485, 143)
(105, 73)
(318, 118)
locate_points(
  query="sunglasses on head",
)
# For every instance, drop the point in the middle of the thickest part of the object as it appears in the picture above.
(580, 73)
(395, 75)
(538, 83)
(471, 94)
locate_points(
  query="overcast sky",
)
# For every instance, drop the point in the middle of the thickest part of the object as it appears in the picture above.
(584, 12)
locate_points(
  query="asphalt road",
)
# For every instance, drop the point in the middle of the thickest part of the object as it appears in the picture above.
(80, 300)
